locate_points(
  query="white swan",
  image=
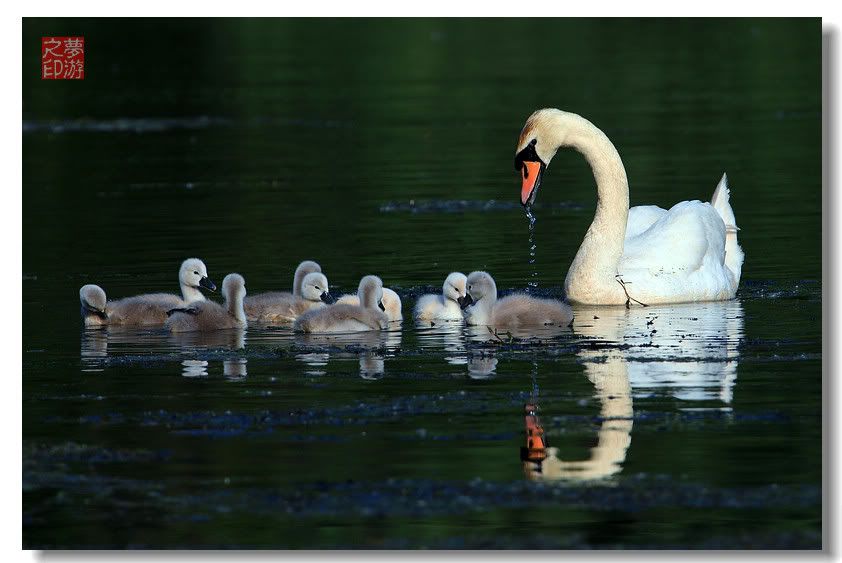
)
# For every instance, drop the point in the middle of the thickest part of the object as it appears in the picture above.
(446, 306)
(391, 303)
(644, 254)
(513, 311)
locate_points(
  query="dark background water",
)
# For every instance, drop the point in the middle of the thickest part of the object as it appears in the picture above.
(254, 144)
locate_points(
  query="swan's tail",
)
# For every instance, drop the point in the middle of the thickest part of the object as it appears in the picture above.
(733, 253)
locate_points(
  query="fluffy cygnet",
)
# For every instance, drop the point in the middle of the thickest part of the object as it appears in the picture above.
(391, 302)
(513, 311)
(444, 307)
(277, 307)
(306, 267)
(149, 309)
(369, 315)
(208, 315)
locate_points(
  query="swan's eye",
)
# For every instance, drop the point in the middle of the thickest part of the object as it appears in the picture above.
(317, 287)
(197, 273)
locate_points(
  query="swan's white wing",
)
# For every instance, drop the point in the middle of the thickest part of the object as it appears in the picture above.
(683, 240)
(641, 218)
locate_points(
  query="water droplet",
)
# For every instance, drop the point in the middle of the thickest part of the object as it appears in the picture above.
(532, 282)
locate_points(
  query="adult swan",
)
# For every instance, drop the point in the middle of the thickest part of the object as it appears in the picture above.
(644, 254)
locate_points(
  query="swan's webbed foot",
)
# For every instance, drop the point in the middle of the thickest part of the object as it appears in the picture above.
(629, 298)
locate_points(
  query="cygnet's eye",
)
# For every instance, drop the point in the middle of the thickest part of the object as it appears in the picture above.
(317, 287)
(197, 273)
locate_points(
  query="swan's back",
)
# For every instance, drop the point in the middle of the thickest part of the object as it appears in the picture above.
(342, 318)
(277, 307)
(433, 307)
(201, 316)
(520, 310)
(641, 218)
(143, 310)
(272, 306)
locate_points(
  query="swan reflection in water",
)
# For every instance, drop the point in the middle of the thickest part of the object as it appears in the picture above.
(95, 343)
(370, 347)
(689, 352)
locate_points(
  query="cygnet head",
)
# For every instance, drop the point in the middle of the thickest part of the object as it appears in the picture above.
(392, 304)
(370, 293)
(454, 287)
(480, 286)
(194, 273)
(315, 288)
(306, 267)
(234, 288)
(92, 298)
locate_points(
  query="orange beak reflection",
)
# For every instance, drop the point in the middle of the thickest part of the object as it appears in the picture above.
(531, 173)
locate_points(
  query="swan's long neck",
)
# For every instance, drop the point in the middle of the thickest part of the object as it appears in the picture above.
(191, 294)
(595, 264)
(234, 303)
(481, 311)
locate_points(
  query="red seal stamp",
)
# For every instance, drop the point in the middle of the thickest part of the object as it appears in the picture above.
(62, 58)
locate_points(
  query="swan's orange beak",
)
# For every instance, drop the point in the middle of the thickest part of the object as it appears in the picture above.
(531, 173)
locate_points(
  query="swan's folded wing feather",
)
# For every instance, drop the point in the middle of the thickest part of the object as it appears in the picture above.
(641, 218)
(677, 243)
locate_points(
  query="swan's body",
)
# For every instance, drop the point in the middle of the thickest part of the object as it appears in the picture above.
(149, 309)
(209, 315)
(368, 315)
(391, 302)
(446, 306)
(283, 308)
(513, 311)
(644, 254)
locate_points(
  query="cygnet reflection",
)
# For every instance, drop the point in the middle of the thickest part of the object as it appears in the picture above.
(235, 369)
(371, 348)
(482, 365)
(94, 349)
(447, 336)
(194, 368)
(232, 339)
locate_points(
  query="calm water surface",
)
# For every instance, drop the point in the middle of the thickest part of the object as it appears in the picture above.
(386, 147)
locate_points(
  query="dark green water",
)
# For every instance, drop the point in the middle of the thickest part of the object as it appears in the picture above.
(256, 144)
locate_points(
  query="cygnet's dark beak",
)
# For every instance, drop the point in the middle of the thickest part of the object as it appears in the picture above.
(328, 298)
(461, 301)
(98, 312)
(465, 301)
(207, 284)
(380, 304)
